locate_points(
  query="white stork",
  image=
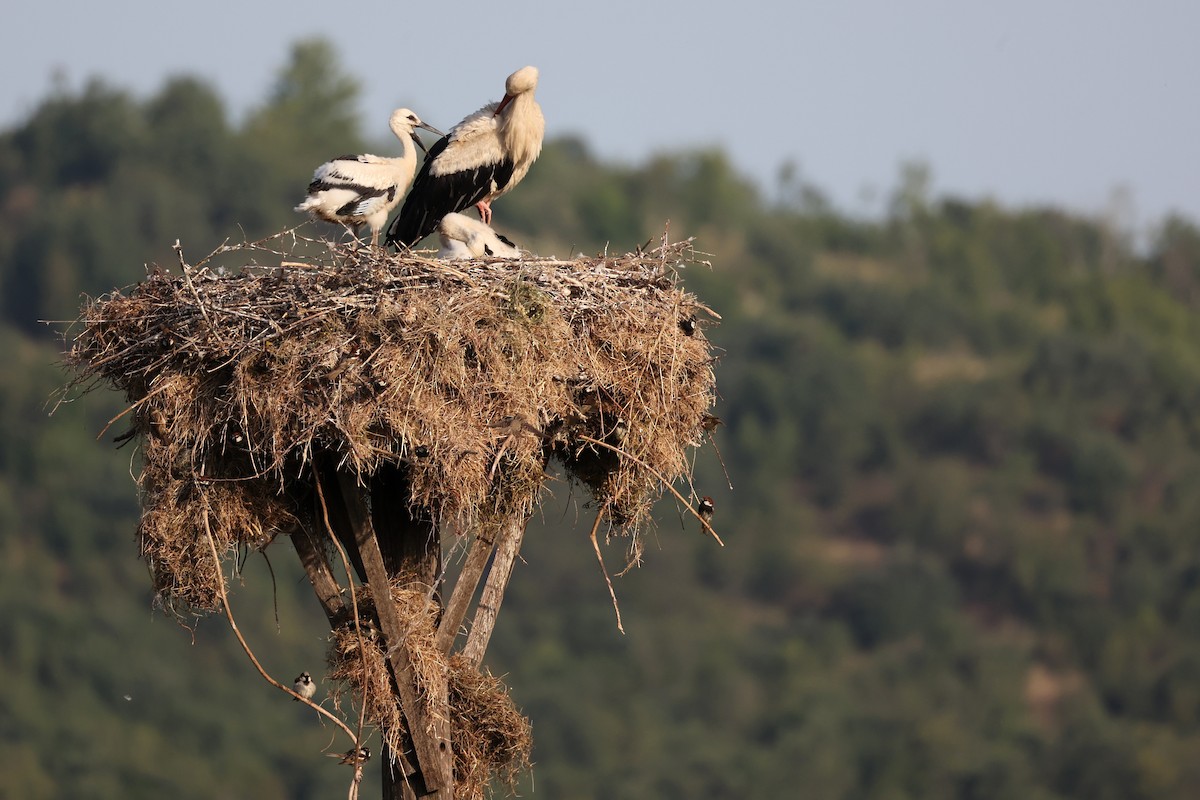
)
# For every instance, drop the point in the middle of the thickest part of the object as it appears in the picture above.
(362, 190)
(463, 237)
(482, 157)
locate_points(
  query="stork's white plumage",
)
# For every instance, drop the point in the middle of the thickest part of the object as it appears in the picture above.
(463, 237)
(362, 190)
(482, 158)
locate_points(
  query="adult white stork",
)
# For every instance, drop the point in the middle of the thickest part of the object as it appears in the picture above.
(482, 158)
(362, 190)
(463, 237)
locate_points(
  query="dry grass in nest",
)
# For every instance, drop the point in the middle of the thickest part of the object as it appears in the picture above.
(368, 680)
(491, 739)
(469, 375)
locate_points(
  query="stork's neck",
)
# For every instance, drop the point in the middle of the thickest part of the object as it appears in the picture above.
(523, 127)
(408, 149)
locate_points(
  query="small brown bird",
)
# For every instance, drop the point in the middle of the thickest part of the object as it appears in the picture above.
(359, 756)
(705, 509)
(304, 686)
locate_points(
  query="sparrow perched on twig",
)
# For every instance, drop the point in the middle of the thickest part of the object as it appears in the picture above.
(705, 509)
(358, 756)
(304, 686)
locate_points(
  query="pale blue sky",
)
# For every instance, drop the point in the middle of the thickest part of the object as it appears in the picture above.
(1029, 101)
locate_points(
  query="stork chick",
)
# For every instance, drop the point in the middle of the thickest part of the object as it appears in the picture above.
(362, 190)
(463, 237)
(482, 158)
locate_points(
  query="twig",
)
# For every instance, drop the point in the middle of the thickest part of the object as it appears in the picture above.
(661, 479)
(212, 546)
(717, 450)
(600, 558)
(187, 276)
(274, 588)
(131, 407)
(362, 647)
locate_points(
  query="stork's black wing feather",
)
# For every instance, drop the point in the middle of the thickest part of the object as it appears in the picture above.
(364, 192)
(433, 197)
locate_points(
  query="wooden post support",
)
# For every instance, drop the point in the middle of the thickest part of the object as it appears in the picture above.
(316, 566)
(411, 546)
(465, 586)
(508, 544)
(430, 731)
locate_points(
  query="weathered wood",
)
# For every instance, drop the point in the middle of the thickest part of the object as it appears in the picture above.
(508, 544)
(410, 545)
(395, 785)
(316, 567)
(430, 732)
(465, 586)
(335, 514)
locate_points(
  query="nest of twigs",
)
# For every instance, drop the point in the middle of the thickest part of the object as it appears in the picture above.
(470, 376)
(491, 739)
(466, 377)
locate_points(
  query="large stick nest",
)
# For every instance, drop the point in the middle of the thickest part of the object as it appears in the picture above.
(469, 376)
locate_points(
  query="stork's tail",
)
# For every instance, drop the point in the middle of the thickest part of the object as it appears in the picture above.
(411, 226)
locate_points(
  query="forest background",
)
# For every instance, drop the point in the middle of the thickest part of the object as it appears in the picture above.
(962, 556)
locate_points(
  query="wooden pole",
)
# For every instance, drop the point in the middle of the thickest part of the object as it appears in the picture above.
(411, 546)
(464, 588)
(316, 567)
(430, 730)
(508, 544)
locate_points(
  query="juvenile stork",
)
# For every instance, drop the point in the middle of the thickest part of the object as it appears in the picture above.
(482, 158)
(362, 190)
(463, 237)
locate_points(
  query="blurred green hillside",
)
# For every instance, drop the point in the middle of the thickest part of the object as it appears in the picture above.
(963, 552)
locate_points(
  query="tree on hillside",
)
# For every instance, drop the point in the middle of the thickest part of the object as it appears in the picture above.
(311, 115)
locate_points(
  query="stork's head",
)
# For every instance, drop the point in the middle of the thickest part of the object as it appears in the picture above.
(523, 80)
(404, 122)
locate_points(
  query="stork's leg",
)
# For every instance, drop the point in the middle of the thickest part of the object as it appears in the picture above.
(485, 211)
(374, 239)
